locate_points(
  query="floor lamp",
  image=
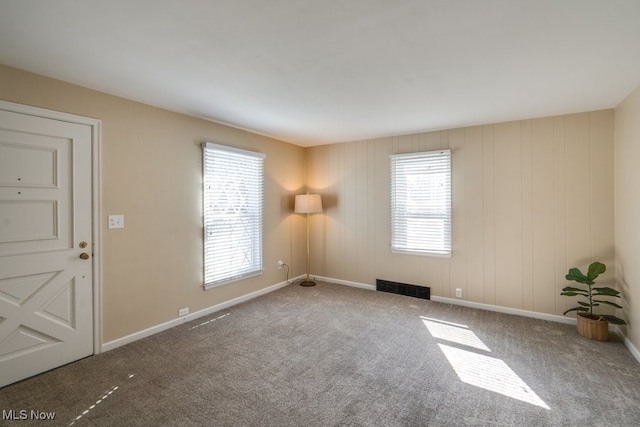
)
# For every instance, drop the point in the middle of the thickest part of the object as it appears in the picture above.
(308, 204)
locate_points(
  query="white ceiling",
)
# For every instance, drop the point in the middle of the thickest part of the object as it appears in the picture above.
(317, 72)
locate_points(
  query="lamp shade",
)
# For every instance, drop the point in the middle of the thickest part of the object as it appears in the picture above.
(308, 203)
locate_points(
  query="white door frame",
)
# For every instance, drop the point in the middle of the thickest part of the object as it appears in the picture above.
(96, 202)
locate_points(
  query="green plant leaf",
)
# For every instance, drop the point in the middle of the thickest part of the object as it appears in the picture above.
(613, 319)
(573, 294)
(606, 291)
(572, 289)
(609, 303)
(595, 269)
(585, 304)
(577, 276)
(576, 309)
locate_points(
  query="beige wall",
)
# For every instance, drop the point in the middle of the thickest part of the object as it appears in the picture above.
(151, 163)
(627, 211)
(530, 199)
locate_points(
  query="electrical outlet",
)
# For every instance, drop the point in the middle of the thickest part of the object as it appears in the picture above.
(280, 264)
(458, 293)
(183, 311)
(116, 221)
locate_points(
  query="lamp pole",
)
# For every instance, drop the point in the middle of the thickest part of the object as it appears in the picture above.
(308, 282)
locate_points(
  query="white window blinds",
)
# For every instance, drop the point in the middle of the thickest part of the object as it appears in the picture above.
(421, 203)
(233, 206)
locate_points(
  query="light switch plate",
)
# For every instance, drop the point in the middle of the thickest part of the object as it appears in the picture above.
(116, 221)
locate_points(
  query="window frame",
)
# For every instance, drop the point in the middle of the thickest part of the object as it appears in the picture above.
(248, 212)
(432, 207)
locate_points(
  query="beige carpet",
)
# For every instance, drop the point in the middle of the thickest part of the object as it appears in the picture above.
(338, 356)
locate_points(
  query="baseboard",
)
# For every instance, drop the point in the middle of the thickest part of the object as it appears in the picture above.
(195, 315)
(632, 349)
(345, 282)
(506, 310)
(470, 304)
(627, 342)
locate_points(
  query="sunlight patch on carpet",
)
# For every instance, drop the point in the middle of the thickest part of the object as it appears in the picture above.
(459, 334)
(476, 369)
(490, 374)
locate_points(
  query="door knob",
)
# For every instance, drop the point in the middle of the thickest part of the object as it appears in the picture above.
(84, 255)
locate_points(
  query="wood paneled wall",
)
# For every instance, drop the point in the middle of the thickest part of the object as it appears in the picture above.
(627, 211)
(530, 199)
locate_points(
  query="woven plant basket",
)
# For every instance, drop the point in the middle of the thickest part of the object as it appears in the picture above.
(594, 329)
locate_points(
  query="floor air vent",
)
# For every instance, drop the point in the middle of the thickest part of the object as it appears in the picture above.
(403, 289)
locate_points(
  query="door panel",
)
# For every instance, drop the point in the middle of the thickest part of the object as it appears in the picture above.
(46, 289)
(35, 192)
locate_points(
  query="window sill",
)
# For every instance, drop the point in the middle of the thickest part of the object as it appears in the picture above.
(419, 253)
(208, 286)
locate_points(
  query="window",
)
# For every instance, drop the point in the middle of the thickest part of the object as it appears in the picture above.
(233, 205)
(421, 203)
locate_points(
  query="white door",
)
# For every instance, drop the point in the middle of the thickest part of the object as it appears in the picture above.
(46, 288)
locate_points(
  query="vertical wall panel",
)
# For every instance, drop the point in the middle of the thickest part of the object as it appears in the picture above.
(602, 231)
(458, 262)
(316, 181)
(578, 205)
(404, 144)
(372, 205)
(474, 214)
(602, 181)
(488, 213)
(417, 142)
(560, 212)
(544, 272)
(527, 216)
(334, 211)
(361, 238)
(350, 205)
(529, 198)
(383, 149)
(434, 141)
(445, 272)
(508, 213)
(319, 243)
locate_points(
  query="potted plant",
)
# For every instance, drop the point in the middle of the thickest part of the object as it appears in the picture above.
(590, 325)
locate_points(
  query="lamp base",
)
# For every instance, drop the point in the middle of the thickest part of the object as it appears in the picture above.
(307, 283)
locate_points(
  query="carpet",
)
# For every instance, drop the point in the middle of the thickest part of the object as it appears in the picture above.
(333, 355)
